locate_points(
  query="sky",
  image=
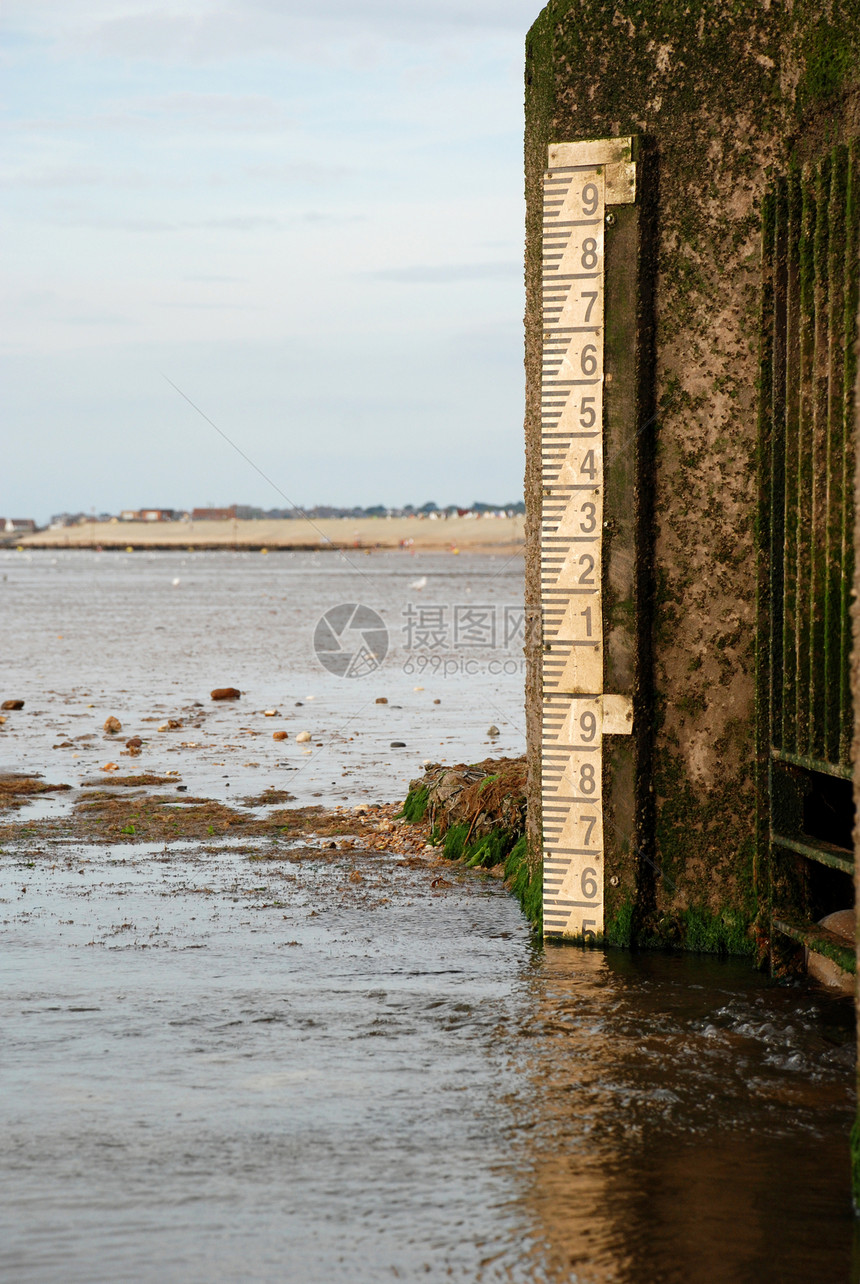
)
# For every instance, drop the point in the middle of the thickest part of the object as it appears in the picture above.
(308, 217)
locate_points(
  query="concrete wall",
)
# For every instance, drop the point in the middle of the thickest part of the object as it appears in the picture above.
(724, 97)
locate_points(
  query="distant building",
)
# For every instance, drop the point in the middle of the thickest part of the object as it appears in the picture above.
(214, 514)
(19, 526)
(156, 515)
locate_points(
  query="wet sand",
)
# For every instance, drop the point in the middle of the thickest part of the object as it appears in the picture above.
(466, 535)
(146, 637)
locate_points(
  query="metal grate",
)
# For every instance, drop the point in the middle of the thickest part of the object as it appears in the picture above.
(808, 372)
(811, 267)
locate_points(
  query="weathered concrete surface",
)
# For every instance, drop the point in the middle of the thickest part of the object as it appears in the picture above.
(725, 97)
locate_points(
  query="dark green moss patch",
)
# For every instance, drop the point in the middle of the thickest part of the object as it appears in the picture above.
(415, 806)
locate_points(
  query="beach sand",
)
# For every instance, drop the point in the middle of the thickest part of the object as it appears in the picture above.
(474, 535)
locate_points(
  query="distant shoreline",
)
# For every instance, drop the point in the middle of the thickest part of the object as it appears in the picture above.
(461, 534)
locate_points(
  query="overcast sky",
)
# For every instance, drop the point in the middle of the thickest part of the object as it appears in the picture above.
(308, 216)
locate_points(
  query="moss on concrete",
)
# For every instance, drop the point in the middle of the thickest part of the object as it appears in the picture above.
(725, 97)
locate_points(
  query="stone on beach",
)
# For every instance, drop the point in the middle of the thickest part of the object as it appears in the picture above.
(270, 713)
(12, 704)
(112, 725)
(134, 742)
(225, 693)
(303, 737)
(382, 699)
(279, 735)
(493, 730)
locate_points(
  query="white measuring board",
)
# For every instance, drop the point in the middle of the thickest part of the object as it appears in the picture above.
(581, 180)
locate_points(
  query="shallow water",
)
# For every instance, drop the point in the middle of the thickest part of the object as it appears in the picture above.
(85, 635)
(321, 1067)
(269, 1062)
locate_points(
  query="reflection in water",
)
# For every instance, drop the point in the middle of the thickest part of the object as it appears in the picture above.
(685, 1122)
(224, 1064)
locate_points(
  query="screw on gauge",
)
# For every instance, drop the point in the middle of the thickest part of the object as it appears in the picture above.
(610, 219)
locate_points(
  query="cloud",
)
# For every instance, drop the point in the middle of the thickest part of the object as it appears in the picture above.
(311, 173)
(450, 273)
(189, 32)
(57, 176)
(236, 223)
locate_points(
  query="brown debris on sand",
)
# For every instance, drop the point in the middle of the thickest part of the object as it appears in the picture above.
(15, 791)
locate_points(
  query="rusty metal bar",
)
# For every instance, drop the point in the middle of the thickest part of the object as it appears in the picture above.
(831, 666)
(819, 457)
(792, 419)
(777, 250)
(805, 474)
(852, 282)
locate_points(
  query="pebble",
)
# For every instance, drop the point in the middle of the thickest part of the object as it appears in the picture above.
(110, 766)
(172, 724)
(492, 730)
(112, 725)
(134, 743)
(270, 713)
(437, 701)
(398, 744)
(12, 704)
(225, 693)
(303, 737)
(382, 699)
(279, 735)
(417, 688)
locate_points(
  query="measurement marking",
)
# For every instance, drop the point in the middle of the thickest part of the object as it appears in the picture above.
(571, 547)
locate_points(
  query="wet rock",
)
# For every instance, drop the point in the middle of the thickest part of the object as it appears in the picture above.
(225, 693)
(382, 699)
(279, 735)
(398, 744)
(270, 713)
(134, 743)
(12, 704)
(303, 737)
(437, 701)
(111, 766)
(112, 725)
(842, 923)
(172, 724)
(492, 730)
